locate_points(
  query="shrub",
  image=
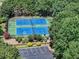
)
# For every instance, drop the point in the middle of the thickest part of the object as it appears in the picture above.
(6, 35)
(1, 31)
(38, 37)
(19, 39)
(2, 19)
(25, 40)
(35, 37)
(31, 38)
(1, 40)
(29, 44)
(38, 43)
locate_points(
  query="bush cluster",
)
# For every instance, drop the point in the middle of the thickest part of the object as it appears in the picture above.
(11, 8)
(8, 52)
(1, 31)
(65, 31)
(30, 38)
(34, 44)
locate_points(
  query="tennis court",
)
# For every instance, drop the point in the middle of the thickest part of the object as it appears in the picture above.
(27, 26)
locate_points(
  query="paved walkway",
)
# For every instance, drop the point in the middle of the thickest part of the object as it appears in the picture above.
(11, 41)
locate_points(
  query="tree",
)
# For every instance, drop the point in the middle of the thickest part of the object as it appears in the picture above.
(11, 8)
(65, 29)
(8, 52)
(72, 52)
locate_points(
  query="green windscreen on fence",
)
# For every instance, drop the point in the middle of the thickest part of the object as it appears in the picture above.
(12, 27)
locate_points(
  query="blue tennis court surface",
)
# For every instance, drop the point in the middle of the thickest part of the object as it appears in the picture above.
(24, 31)
(36, 53)
(37, 21)
(40, 30)
(29, 31)
(23, 22)
(33, 21)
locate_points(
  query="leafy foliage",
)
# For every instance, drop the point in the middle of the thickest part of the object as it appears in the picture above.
(1, 31)
(8, 52)
(65, 31)
(6, 35)
(24, 39)
(29, 44)
(19, 39)
(2, 20)
(72, 52)
(35, 37)
(12, 8)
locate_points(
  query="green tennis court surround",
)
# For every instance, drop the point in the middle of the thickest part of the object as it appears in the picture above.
(12, 27)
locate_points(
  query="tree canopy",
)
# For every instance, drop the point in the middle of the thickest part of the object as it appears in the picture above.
(11, 8)
(65, 31)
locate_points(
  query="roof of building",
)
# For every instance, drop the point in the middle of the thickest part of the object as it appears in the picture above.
(36, 53)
